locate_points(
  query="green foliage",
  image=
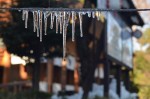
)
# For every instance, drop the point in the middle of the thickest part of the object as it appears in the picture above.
(134, 87)
(146, 37)
(144, 92)
(141, 73)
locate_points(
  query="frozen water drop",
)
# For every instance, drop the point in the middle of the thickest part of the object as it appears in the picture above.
(83, 13)
(26, 19)
(98, 14)
(57, 21)
(45, 22)
(34, 21)
(23, 15)
(64, 34)
(93, 14)
(37, 23)
(52, 20)
(80, 19)
(68, 19)
(89, 14)
(61, 22)
(40, 23)
(73, 25)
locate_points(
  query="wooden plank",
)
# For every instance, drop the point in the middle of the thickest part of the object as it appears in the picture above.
(76, 77)
(50, 75)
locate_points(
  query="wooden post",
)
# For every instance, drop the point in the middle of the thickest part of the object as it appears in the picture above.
(127, 79)
(1, 73)
(36, 75)
(106, 61)
(106, 77)
(6, 75)
(63, 75)
(36, 67)
(50, 75)
(76, 77)
(118, 77)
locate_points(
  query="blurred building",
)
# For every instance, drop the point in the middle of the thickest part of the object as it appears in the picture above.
(56, 75)
(118, 49)
(5, 15)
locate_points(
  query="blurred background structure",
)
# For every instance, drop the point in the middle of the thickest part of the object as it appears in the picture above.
(111, 61)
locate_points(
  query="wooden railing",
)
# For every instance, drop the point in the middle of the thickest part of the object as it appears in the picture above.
(16, 86)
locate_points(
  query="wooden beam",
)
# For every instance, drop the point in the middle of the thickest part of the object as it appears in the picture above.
(106, 77)
(127, 79)
(63, 75)
(50, 75)
(118, 77)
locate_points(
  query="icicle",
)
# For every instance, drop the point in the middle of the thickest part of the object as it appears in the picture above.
(25, 17)
(80, 19)
(73, 25)
(64, 22)
(34, 21)
(61, 22)
(40, 23)
(19, 10)
(89, 14)
(23, 14)
(83, 13)
(93, 14)
(34, 18)
(46, 14)
(37, 23)
(57, 21)
(64, 35)
(52, 20)
(98, 15)
(68, 19)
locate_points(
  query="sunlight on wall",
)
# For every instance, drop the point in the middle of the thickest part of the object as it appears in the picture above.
(23, 73)
(17, 60)
(4, 58)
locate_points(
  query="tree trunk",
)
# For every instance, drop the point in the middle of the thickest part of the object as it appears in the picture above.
(36, 74)
(89, 57)
(36, 67)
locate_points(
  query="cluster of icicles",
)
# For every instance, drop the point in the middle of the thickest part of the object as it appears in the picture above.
(61, 18)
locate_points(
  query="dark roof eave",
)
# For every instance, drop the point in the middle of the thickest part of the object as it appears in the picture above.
(127, 15)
